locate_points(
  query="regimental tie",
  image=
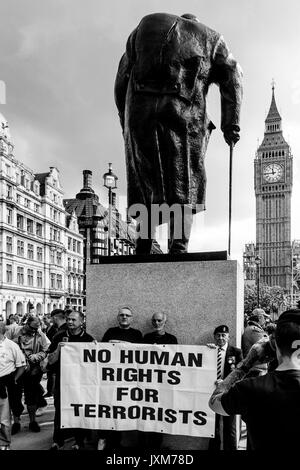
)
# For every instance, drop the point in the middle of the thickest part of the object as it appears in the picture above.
(219, 364)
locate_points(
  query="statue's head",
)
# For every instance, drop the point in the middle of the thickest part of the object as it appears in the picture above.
(190, 16)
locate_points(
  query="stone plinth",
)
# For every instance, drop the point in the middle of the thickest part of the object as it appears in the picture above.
(198, 291)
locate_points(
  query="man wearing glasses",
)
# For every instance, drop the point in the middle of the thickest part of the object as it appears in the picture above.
(123, 332)
(119, 334)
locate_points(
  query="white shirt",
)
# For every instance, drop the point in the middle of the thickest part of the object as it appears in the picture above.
(11, 357)
(223, 354)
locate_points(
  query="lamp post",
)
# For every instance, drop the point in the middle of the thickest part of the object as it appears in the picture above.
(258, 262)
(110, 182)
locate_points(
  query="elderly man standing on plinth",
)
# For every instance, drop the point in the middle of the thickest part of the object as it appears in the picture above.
(160, 92)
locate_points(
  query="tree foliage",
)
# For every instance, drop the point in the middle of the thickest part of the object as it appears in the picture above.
(272, 299)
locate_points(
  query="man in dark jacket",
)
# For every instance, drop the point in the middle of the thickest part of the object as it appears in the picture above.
(269, 404)
(123, 332)
(160, 92)
(74, 333)
(159, 335)
(227, 359)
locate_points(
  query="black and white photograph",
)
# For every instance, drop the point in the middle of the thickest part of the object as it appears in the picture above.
(149, 188)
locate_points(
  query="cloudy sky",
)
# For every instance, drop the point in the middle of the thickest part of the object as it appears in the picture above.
(58, 60)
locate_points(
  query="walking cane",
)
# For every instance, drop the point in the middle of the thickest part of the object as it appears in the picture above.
(230, 196)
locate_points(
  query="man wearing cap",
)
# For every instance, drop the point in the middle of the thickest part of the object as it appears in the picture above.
(254, 332)
(269, 404)
(227, 358)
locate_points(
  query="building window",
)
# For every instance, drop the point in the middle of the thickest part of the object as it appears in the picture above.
(52, 256)
(9, 244)
(20, 248)
(58, 258)
(79, 266)
(29, 226)
(59, 281)
(9, 192)
(39, 230)
(27, 203)
(39, 253)
(20, 276)
(8, 170)
(20, 222)
(9, 216)
(74, 245)
(8, 273)
(52, 281)
(30, 277)
(36, 208)
(69, 243)
(36, 188)
(74, 265)
(78, 247)
(69, 264)
(30, 251)
(18, 199)
(39, 279)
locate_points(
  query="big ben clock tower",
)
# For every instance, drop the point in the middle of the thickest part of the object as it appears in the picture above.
(273, 178)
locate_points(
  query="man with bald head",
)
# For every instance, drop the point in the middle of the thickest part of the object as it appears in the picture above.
(159, 335)
(153, 440)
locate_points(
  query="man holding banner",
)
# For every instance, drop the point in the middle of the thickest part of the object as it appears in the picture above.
(228, 357)
(158, 336)
(74, 334)
(122, 333)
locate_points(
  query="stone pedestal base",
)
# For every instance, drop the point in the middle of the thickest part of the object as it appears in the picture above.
(197, 291)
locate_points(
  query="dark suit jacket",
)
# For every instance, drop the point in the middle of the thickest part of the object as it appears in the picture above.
(232, 358)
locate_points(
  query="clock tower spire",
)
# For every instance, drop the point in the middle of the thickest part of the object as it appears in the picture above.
(273, 189)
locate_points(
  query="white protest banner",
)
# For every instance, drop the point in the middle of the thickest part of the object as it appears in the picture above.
(125, 386)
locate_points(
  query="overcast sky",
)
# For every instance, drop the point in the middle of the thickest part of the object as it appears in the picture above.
(58, 59)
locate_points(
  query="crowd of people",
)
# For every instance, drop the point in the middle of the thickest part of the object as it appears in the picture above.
(31, 346)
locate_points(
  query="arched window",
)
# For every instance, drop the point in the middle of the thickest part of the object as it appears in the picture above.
(20, 309)
(8, 308)
(38, 309)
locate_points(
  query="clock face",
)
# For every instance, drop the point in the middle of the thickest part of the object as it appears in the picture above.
(273, 172)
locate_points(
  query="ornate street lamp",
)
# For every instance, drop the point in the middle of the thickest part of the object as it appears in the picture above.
(258, 263)
(110, 182)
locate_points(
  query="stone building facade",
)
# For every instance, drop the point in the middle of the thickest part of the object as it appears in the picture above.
(37, 238)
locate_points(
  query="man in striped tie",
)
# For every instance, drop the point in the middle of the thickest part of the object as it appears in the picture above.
(227, 359)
